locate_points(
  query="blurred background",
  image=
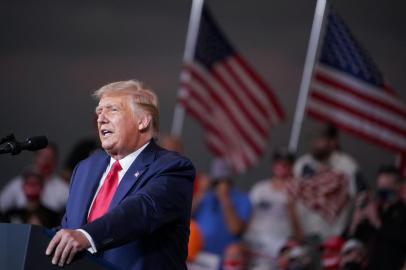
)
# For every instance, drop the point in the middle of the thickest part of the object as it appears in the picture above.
(54, 54)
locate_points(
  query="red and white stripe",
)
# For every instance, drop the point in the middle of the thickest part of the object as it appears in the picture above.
(234, 106)
(358, 107)
(326, 193)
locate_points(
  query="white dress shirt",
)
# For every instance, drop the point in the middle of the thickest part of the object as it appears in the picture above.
(125, 165)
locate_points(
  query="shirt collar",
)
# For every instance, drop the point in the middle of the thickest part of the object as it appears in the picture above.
(129, 159)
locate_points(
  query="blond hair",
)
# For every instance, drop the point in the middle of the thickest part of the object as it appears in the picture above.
(142, 97)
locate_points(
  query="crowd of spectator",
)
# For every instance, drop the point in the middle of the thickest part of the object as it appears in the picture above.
(312, 212)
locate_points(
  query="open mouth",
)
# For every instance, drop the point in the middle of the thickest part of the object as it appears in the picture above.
(106, 132)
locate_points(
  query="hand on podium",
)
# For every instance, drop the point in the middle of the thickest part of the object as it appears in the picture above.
(65, 244)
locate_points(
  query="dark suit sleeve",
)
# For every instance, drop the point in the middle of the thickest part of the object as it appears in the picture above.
(64, 218)
(165, 198)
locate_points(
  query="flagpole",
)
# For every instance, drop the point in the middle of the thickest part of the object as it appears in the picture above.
(307, 74)
(191, 38)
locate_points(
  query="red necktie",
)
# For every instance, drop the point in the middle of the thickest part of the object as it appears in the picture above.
(103, 198)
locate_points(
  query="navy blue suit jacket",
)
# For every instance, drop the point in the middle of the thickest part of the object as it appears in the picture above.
(147, 225)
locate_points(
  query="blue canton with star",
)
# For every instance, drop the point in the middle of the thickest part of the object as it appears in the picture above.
(212, 46)
(341, 51)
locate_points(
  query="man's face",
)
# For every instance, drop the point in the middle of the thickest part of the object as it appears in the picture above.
(234, 257)
(281, 169)
(387, 188)
(45, 161)
(321, 148)
(387, 181)
(171, 143)
(117, 125)
(32, 188)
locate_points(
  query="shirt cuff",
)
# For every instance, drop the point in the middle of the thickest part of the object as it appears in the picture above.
(92, 249)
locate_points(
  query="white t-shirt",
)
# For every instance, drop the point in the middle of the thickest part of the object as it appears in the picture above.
(270, 226)
(313, 224)
(54, 196)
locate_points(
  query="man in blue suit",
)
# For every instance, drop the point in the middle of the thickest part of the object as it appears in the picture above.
(131, 202)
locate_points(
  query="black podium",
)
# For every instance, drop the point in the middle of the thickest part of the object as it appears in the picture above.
(22, 247)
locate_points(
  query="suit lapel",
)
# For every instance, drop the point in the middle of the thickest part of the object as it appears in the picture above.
(90, 185)
(134, 174)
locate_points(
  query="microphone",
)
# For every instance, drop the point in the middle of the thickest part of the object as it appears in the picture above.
(31, 144)
(8, 137)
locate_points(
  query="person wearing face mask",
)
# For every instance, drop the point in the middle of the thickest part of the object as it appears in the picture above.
(270, 225)
(380, 222)
(34, 211)
(235, 257)
(55, 193)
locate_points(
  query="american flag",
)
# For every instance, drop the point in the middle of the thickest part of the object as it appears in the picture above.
(326, 193)
(349, 91)
(231, 102)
